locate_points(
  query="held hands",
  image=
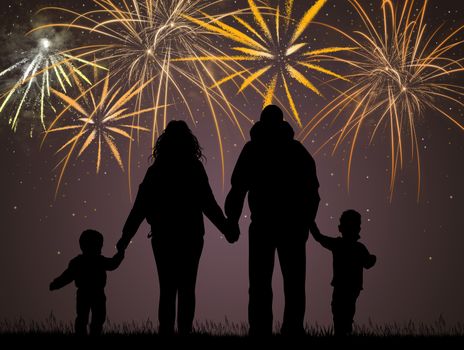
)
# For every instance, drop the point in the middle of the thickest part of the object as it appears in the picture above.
(232, 231)
(53, 286)
(122, 244)
(119, 254)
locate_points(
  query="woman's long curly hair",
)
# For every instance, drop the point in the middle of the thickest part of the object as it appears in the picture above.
(176, 141)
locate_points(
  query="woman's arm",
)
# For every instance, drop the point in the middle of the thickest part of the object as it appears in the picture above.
(138, 212)
(210, 206)
(113, 262)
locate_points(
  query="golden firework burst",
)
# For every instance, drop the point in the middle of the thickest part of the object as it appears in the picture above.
(401, 71)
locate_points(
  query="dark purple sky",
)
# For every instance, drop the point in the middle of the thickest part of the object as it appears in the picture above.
(418, 244)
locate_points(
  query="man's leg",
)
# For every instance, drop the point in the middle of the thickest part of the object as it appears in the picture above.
(292, 257)
(261, 266)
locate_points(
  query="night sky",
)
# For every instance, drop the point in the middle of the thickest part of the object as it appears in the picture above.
(418, 243)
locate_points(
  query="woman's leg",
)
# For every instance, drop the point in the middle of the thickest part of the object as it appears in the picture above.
(189, 259)
(167, 284)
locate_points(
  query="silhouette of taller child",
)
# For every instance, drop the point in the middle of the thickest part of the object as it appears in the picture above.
(173, 197)
(279, 176)
(350, 257)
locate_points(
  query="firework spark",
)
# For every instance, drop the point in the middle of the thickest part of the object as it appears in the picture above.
(278, 53)
(104, 120)
(401, 71)
(44, 68)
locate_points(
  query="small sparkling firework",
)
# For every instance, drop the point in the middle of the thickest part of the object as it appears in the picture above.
(43, 68)
(402, 70)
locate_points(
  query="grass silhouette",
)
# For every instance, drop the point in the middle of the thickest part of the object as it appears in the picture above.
(232, 333)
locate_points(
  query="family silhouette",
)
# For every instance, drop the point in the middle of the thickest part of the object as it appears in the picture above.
(279, 176)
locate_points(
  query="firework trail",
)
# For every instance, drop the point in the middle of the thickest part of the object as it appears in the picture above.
(275, 48)
(401, 71)
(140, 42)
(102, 115)
(44, 68)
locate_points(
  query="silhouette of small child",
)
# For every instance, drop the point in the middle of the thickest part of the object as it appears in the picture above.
(349, 259)
(88, 271)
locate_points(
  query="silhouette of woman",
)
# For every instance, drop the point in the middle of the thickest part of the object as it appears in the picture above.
(173, 197)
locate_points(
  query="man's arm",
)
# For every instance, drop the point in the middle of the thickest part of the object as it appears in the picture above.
(64, 279)
(240, 185)
(310, 180)
(326, 241)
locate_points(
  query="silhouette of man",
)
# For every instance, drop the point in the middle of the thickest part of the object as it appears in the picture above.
(350, 257)
(279, 175)
(88, 271)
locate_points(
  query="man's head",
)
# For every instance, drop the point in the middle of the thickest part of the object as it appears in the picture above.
(272, 114)
(91, 242)
(271, 129)
(350, 224)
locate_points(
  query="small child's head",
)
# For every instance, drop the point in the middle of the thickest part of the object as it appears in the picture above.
(91, 242)
(350, 224)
